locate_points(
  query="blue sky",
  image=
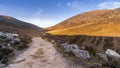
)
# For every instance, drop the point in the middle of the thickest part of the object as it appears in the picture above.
(46, 13)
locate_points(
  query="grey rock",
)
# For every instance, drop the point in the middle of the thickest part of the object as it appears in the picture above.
(113, 57)
(1, 33)
(3, 47)
(17, 39)
(64, 45)
(19, 60)
(75, 50)
(9, 36)
(52, 41)
(103, 56)
(15, 35)
(81, 53)
(112, 53)
(68, 48)
(2, 65)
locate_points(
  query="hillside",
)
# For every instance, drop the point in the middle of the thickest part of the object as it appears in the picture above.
(10, 24)
(15, 36)
(93, 23)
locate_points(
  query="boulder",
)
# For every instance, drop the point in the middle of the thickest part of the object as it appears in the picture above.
(75, 50)
(1, 33)
(81, 53)
(17, 39)
(68, 48)
(112, 53)
(113, 58)
(2, 65)
(103, 56)
(15, 35)
(9, 36)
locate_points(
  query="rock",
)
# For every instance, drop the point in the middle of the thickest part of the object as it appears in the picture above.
(75, 50)
(3, 47)
(81, 53)
(103, 56)
(2, 65)
(112, 53)
(9, 36)
(1, 33)
(15, 35)
(113, 58)
(52, 41)
(17, 39)
(19, 60)
(64, 45)
(68, 48)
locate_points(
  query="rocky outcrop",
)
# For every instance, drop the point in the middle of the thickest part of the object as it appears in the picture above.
(8, 44)
(112, 53)
(81, 53)
(75, 50)
(113, 58)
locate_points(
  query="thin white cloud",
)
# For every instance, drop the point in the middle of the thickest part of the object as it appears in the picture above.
(109, 5)
(74, 4)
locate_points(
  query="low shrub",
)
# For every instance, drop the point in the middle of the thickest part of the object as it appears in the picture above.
(22, 46)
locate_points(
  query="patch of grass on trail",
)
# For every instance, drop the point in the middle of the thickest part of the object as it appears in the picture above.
(38, 54)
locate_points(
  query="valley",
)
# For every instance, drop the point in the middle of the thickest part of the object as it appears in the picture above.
(87, 40)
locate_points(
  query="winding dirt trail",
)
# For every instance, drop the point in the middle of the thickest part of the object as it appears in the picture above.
(50, 57)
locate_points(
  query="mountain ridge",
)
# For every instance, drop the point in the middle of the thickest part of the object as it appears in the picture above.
(94, 24)
(10, 24)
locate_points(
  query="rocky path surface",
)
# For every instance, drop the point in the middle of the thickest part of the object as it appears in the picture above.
(41, 54)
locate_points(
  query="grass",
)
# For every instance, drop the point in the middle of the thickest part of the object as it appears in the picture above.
(38, 54)
(44, 60)
(30, 64)
(101, 29)
(92, 23)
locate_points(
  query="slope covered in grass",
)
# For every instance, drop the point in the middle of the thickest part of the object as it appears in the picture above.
(94, 23)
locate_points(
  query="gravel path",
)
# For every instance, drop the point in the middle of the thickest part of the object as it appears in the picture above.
(41, 54)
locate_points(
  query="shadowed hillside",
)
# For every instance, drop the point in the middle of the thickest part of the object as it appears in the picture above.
(10, 24)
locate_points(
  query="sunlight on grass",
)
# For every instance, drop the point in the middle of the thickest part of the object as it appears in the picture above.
(92, 30)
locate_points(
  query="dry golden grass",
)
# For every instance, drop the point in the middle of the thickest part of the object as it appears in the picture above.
(94, 23)
(112, 29)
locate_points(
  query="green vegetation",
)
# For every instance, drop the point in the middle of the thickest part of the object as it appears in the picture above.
(24, 43)
(91, 50)
(108, 42)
